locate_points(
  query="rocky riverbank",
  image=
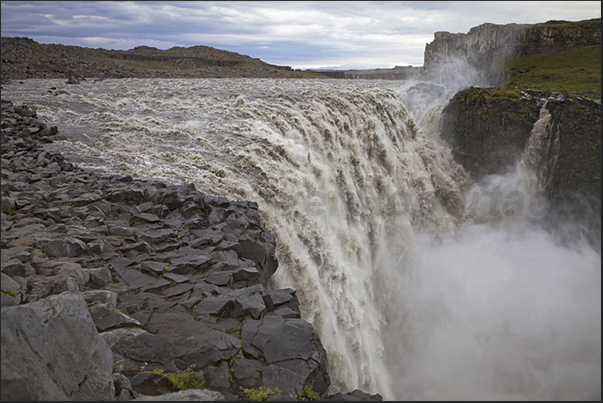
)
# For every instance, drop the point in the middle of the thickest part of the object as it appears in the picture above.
(111, 282)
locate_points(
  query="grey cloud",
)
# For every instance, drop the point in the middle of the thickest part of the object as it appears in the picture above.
(296, 33)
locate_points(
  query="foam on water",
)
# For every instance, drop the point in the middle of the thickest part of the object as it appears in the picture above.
(417, 290)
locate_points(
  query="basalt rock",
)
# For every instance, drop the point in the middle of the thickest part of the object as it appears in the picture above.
(51, 351)
(489, 128)
(158, 276)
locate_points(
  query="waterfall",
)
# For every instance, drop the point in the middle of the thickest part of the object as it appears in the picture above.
(348, 179)
(421, 284)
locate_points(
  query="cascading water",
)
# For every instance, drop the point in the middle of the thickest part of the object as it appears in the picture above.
(417, 291)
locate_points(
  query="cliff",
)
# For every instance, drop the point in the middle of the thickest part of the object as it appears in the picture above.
(25, 58)
(487, 46)
(489, 130)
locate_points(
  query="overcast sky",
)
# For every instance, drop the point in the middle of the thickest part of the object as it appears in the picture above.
(300, 34)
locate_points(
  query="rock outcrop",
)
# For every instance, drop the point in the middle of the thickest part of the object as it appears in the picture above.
(487, 46)
(489, 128)
(38, 363)
(110, 281)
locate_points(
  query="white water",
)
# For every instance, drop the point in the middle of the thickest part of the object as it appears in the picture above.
(419, 285)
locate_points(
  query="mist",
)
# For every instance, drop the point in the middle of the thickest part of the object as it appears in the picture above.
(507, 308)
(496, 315)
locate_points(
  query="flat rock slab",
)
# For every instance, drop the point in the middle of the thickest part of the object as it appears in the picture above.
(54, 341)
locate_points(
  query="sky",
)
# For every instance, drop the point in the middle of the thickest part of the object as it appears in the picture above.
(300, 34)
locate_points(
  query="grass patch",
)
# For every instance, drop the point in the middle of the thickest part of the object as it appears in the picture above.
(183, 380)
(308, 394)
(577, 71)
(259, 394)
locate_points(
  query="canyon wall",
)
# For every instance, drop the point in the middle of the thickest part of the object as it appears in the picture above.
(487, 46)
(489, 130)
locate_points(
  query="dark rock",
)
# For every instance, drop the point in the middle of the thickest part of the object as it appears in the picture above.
(176, 290)
(208, 348)
(186, 395)
(221, 306)
(156, 236)
(70, 247)
(123, 388)
(144, 218)
(217, 377)
(247, 373)
(278, 339)
(152, 384)
(189, 263)
(51, 351)
(13, 268)
(250, 300)
(220, 278)
(139, 345)
(354, 396)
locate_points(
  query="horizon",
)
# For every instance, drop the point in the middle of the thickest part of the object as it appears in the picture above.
(316, 35)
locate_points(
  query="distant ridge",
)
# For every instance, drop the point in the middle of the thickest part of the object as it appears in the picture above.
(25, 58)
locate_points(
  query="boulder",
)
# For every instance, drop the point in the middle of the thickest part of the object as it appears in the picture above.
(51, 351)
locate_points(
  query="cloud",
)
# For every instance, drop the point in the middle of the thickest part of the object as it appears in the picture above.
(300, 34)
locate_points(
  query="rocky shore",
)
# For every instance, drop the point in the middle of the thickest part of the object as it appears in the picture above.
(110, 282)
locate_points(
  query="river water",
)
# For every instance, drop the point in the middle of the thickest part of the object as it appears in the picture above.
(420, 284)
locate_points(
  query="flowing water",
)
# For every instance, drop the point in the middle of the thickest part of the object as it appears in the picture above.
(421, 284)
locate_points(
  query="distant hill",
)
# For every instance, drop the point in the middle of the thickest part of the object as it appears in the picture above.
(395, 73)
(25, 58)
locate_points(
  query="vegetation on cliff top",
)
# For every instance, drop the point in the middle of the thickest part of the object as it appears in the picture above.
(576, 72)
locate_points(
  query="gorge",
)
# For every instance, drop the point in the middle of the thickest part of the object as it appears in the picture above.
(366, 193)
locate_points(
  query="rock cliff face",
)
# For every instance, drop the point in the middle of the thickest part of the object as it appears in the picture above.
(489, 129)
(486, 46)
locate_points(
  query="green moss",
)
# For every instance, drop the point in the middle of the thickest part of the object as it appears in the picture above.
(259, 394)
(577, 72)
(308, 394)
(183, 380)
(475, 96)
